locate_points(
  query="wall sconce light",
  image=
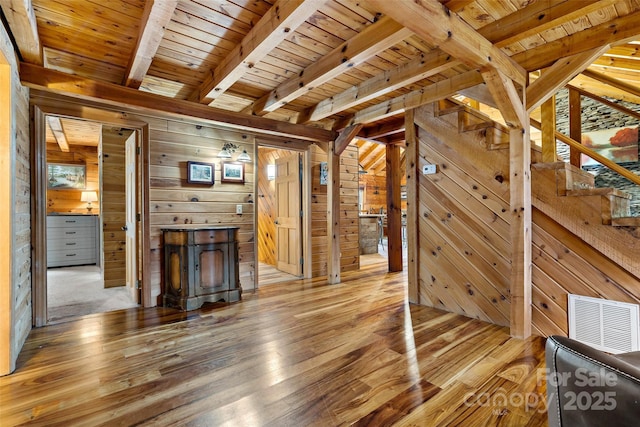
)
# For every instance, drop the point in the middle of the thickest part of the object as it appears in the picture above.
(89, 196)
(244, 157)
(229, 148)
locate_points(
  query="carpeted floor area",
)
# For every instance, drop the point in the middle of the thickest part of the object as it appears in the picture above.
(77, 291)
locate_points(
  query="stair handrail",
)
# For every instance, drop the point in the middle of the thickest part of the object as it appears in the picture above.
(593, 154)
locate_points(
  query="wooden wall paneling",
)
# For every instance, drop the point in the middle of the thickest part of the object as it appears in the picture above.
(565, 264)
(349, 233)
(463, 220)
(266, 205)
(485, 286)
(114, 205)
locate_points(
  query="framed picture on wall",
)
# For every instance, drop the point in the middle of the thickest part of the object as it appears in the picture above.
(66, 176)
(233, 172)
(200, 173)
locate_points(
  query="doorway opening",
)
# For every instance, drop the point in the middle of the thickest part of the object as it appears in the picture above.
(282, 219)
(89, 214)
(91, 201)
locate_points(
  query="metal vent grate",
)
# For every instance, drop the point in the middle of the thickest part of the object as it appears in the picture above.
(609, 326)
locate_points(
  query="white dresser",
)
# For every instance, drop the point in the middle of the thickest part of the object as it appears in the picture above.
(72, 240)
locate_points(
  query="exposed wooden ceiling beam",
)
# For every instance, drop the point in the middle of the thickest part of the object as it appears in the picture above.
(345, 138)
(451, 34)
(58, 132)
(558, 75)
(274, 26)
(602, 89)
(616, 31)
(383, 129)
(22, 21)
(108, 93)
(378, 154)
(372, 40)
(434, 92)
(612, 82)
(156, 16)
(538, 17)
(419, 68)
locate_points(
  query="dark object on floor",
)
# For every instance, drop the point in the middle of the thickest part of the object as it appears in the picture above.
(588, 387)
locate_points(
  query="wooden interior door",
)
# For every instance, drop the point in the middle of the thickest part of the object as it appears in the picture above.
(131, 209)
(288, 215)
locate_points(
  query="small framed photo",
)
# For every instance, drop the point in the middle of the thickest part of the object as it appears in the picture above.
(66, 177)
(233, 172)
(200, 173)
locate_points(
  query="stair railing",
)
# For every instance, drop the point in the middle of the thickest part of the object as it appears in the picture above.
(593, 154)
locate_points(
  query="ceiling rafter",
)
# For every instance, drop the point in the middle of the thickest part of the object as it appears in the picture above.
(372, 40)
(383, 129)
(422, 67)
(558, 75)
(391, 107)
(634, 90)
(22, 21)
(536, 18)
(616, 31)
(276, 25)
(451, 34)
(156, 16)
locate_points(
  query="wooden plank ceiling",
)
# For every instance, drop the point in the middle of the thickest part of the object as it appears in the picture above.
(331, 63)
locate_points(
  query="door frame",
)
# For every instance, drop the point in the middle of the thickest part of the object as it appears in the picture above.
(306, 202)
(44, 105)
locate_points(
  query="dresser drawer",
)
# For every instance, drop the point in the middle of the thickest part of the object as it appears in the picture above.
(71, 221)
(70, 257)
(72, 240)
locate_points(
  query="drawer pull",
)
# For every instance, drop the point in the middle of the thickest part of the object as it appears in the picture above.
(70, 221)
(70, 255)
(71, 244)
(69, 232)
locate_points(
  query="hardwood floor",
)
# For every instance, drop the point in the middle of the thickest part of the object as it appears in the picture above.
(293, 354)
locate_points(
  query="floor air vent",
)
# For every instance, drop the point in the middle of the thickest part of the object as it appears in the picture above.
(609, 326)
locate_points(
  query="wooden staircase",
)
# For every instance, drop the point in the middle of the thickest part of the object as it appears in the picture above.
(598, 216)
(470, 120)
(570, 181)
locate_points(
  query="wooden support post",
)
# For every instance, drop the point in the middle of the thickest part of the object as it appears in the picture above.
(394, 211)
(575, 125)
(548, 111)
(520, 204)
(512, 103)
(333, 215)
(413, 253)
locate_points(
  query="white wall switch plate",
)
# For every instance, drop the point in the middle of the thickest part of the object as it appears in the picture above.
(428, 169)
(238, 209)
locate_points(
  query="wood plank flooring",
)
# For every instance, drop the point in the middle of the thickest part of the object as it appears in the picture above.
(301, 353)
